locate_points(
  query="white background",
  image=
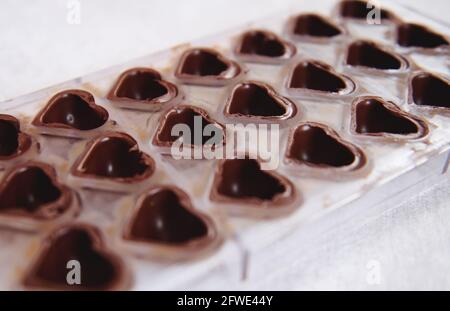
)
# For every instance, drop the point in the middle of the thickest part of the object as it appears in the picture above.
(410, 243)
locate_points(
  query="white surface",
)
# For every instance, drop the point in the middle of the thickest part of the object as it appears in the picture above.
(409, 244)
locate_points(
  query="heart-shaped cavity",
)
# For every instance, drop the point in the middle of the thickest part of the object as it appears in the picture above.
(196, 120)
(429, 90)
(76, 249)
(414, 35)
(314, 75)
(13, 142)
(258, 45)
(142, 85)
(164, 214)
(206, 67)
(255, 99)
(317, 145)
(243, 181)
(314, 25)
(114, 156)
(72, 109)
(361, 10)
(31, 190)
(374, 116)
(364, 53)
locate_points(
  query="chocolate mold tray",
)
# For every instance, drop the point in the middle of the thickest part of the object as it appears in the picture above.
(323, 88)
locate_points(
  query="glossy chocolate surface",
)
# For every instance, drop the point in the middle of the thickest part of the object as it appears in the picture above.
(316, 76)
(317, 145)
(360, 10)
(414, 35)
(315, 26)
(184, 114)
(165, 215)
(141, 84)
(369, 54)
(263, 43)
(258, 99)
(430, 90)
(100, 268)
(13, 142)
(114, 156)
(376, 116)
(74, 109)
(31, 190)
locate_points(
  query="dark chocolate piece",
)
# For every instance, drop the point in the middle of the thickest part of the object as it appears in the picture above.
(114, 156)
(143, 85)
(100, 269)
(185, 114)
(13, 142)
(317, 76)
(255, 99)
(206, 67)
(361, 9)
(32, 190)
(369, 54)
(374, 116)
(315, 26)
(264, 44)
(414, 35)
(72, 109)
(243, 181)
(317, 145)
(430, 90)
(165, 215)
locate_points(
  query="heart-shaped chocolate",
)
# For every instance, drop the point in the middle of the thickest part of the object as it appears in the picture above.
(144, 86)
(195, 119)
(260, 45)
(314, 25)
(31, 190)
(256, 99)
(243, 181)
(71, 250)
(317, 145)
(206, 67)
(72, 109)
(361, 10)
(314, 75)
(114, 156)
(374, 116)
(164, 214)
(364, 53)
(430, 90)
(414, 35)
(13, 142)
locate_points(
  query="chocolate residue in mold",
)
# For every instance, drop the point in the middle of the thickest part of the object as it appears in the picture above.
(165, 215)
(114, 156)
(186, 115)
(32, 190)
(360, 10)
(430, 90)
(315, 26)
(243, 181)
(317, 76)
(100, 268)
(374, 116)
(414, 35)
(369, 54)
(206, 67)
(142, 85)
(264, 44)
(13, 142)
(317, 145)
(72, 109)
(255, 99)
